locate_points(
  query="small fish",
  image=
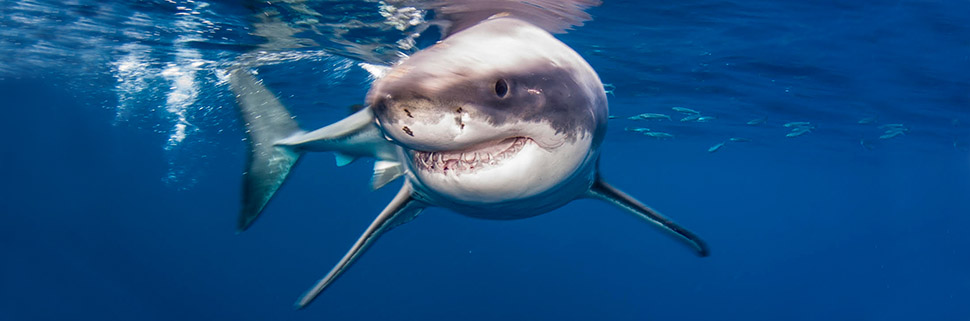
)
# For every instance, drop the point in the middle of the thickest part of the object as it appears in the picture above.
(649, 116)
(799, 131)
(868, 120)
(658, 135)
(637, 129)
(609, 88)
(685, 110)
(798, 124)
(691, 117)
(961, 146)
(889, 135)
(704, 119)
(865, 144)
(758, 121)
(715, 147)
(739, 139)
(888, 126)
(895, 130)
(612, 117)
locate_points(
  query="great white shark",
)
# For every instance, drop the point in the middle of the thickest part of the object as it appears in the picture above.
(498, 120)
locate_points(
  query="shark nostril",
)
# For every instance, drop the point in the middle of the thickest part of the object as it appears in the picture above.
(408, 131)
(408, 112)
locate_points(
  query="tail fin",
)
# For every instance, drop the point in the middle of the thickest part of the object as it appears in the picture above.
(267, 122)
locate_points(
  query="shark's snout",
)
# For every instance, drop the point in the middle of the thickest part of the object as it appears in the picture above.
(412, 124)
(425, 125)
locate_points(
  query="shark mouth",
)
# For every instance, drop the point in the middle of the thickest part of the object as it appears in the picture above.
(480, 157)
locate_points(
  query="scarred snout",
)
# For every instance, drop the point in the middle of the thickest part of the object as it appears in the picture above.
(426, 125)
(460, 93)
(419, 123)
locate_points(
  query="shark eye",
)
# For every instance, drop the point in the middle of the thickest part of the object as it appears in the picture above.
(501, 88)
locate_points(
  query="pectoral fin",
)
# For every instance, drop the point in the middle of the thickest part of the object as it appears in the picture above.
(603, 191)
(401, 210)
(385, 172)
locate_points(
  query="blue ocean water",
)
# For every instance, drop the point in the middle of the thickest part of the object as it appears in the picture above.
(122, 156)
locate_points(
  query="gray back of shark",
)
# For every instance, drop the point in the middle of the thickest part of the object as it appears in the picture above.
(499, 120)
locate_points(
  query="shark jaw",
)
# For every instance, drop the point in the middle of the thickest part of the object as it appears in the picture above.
(497, 172)
(469, 161)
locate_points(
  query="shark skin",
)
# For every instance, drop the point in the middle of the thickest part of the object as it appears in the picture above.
(499, 120)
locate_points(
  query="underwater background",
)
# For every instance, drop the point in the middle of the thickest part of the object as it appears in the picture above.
(123, 153)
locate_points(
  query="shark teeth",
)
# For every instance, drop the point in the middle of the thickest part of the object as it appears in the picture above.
(469, 160)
